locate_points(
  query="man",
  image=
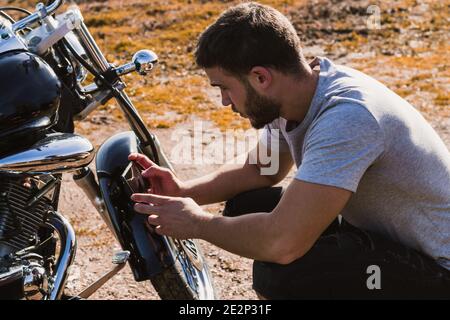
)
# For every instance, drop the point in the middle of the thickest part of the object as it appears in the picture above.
(362, 152)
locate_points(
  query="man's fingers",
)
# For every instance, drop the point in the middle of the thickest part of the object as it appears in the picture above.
(154, 220)
(146, 208)
(144, 161)
(159, 230)
(150, 198)
(147, 173)
(155, 171)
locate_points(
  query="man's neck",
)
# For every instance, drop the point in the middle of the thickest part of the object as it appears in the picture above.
(297, 95)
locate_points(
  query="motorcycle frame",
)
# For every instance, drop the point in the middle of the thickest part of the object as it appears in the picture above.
(108, 85)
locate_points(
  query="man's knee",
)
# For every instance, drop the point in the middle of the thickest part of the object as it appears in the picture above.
(274, 281)
(260, 296)
(259, 200)
(332, 268)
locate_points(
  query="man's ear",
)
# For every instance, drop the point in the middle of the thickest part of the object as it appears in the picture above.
(260, 78)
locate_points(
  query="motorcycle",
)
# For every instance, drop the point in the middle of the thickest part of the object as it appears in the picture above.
(45, 59)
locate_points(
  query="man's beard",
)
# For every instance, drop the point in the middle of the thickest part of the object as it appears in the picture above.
(260, 110)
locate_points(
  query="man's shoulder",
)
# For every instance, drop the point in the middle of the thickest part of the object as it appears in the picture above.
(346, 113)
(346, 124)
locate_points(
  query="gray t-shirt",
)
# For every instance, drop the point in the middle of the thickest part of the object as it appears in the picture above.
(360, 136)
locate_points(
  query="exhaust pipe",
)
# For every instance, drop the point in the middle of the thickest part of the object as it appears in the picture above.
(65, 260)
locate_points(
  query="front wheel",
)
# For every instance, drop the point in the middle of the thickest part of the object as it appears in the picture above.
(189, 277)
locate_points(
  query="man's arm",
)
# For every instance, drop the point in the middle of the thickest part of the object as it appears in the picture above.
(281, 236)
(233, 179)
(285, 234)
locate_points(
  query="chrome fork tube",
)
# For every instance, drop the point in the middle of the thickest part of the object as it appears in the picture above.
(93, 51)
(67, 255)
(85, 180)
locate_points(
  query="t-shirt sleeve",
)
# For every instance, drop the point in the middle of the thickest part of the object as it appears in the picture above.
(272, 137)
(340, 146)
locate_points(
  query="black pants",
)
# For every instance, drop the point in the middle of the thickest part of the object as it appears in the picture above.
(344, 263)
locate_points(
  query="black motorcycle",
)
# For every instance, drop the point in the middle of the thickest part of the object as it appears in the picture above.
(44, 62)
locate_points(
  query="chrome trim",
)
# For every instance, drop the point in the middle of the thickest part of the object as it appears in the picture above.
(125, 69)
(65, 260)
(142, 62)
(11, 44)
(56, 153)
(190, 248)
(91, 47)
(35, 281)
(163, 159)
(85, 180)
(9, 41)
(13, 274)
(199, 281)
(41, 13)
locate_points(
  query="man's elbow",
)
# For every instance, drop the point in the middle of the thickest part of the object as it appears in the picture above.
(274, 179)
(265, 181)
(285, 259)
(285, 253)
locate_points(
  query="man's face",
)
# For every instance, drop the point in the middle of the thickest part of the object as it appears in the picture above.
(243, 98)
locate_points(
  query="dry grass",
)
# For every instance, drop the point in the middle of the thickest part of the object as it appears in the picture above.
(409, 52)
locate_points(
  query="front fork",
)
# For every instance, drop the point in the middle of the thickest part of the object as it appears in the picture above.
(85, 180)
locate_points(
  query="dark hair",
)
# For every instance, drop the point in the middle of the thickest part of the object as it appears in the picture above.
(249, 35)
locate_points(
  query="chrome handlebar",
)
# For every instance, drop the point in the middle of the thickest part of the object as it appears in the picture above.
(41, 12)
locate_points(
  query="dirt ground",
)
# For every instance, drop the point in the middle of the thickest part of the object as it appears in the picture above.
(409, 53)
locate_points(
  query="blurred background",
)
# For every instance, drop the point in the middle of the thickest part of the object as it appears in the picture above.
(404, 43)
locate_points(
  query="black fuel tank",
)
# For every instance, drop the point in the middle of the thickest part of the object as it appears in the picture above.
(30, 94)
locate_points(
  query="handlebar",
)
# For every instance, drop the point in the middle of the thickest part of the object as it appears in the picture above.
(98, 65)
(41, 12)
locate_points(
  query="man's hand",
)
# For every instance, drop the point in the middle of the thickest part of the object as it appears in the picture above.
(180, 218)
(162, 180)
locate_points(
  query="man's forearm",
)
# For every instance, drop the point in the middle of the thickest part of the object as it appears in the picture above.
(225, 183)
(231, 180)
(253, 236)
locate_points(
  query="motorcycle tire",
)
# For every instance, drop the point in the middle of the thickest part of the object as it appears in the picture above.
(186, 279)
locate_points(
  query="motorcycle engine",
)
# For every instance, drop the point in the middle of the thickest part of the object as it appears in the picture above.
(23, 214)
